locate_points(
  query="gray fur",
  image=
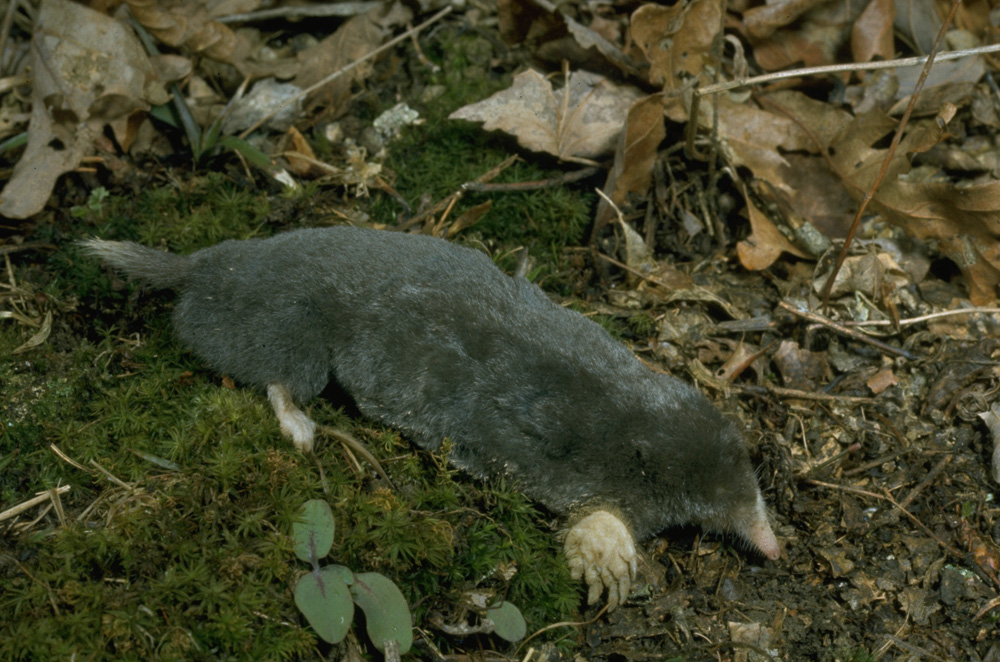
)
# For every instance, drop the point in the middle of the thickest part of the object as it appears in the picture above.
(433, 339)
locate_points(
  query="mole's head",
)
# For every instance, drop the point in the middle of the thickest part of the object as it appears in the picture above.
(697, 471)
(726, 495)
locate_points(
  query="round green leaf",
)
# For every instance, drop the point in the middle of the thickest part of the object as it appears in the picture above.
(508, 622)
(385, 608)
(342, 571)
(313, 531)
(325, 601)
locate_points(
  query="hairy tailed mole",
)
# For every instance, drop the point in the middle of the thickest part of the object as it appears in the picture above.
(432, 338)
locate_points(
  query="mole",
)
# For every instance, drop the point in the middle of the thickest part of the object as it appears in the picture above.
(432, 338)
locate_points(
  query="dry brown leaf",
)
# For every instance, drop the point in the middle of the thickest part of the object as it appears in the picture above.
(948, 82)
(816, 39)
(189, 26)
(299, 145)
(469, 218)
(557, 37)
(817, 194)
(800, 368)
(357, 37)
(882, 380)
(761, 22)
(965, 221)
(577, 123)
(89, 71)
(637, 254)
(872, 34)
(765, 243)
(635, 153)
(752, 137)
(872, 274)
(677, 42)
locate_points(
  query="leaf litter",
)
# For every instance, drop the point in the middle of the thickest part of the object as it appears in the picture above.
(874, 420)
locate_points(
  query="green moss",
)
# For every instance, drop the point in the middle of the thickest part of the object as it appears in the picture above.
(190, 556)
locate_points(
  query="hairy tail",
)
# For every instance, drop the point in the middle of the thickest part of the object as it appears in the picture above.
(160, 269)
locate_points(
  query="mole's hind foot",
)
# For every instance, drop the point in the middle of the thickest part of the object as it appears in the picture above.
(600, 550)
(294, 422)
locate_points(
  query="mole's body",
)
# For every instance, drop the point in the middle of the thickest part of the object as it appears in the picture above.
(433, 339)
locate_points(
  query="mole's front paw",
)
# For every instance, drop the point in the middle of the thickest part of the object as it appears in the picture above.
(600, 549)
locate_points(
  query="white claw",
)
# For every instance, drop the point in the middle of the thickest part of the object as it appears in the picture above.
(600, 550)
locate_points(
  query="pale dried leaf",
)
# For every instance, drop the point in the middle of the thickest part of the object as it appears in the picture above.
(918, 21)
(638, 255)
(871, 274)
(39, 336)
(580, 121)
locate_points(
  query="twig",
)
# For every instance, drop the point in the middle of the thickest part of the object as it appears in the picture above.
(957, 553)
(925, 318)
(42, 497)
(343, 70)
(837, 68)
(353, 444)
(879, 461)
(842, 454)
(890, 153)
(309, 11)
(794, 394)
(447, 202)
(561, 624)
(110, 476)
(420, 52)
(931, 475)
(551, 182)
(850, 333)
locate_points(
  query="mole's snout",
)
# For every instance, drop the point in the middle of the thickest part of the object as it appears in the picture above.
(761, 535)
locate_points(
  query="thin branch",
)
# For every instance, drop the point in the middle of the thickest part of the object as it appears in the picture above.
(838, 68)
(850, 333)
(309, 11)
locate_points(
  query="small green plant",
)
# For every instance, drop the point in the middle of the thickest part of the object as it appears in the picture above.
(94, 206)
(326, 596)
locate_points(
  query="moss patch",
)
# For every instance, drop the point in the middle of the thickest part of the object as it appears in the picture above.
(176, 533)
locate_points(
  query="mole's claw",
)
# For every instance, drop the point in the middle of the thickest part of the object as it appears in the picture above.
(600, 550)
